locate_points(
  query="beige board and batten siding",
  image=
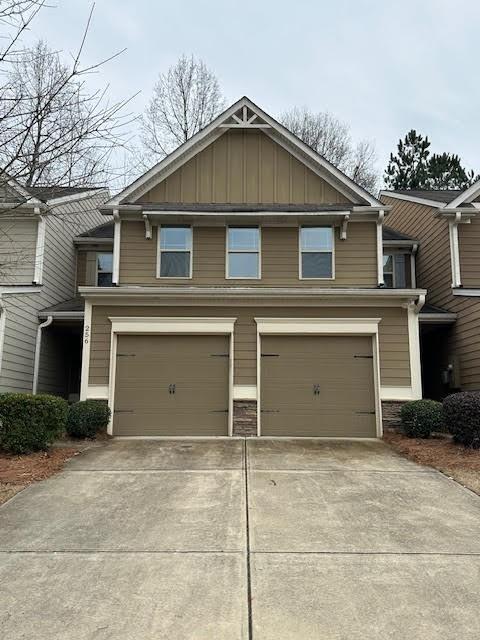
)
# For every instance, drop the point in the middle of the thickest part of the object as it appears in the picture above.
(355, 258)
(244, 167)
(433, 266)
(393, 335)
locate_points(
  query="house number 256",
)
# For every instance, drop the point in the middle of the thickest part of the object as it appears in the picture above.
(86, 334)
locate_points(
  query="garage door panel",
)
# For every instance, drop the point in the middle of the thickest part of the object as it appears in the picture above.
(147, 403)
(317, 386)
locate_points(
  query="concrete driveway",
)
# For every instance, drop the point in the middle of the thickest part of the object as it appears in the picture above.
(233, 539)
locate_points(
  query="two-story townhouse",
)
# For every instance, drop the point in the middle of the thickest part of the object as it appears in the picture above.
(248, 294)
(38, 270)
(447, 224)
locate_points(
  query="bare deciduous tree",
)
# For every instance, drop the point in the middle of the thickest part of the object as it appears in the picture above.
(331, 138)
(53, 130)
(53, 127)
(185, 99)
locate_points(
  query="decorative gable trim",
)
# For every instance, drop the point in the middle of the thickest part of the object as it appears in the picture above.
(244, 114)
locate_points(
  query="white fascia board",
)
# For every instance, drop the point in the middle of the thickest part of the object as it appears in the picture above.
(467, 293)
(206, 136)
(466, 196)
(63, 315)
(19, 289)
(416, 199)
(261, 292)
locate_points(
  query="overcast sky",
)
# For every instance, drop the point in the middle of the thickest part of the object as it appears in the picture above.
(382, 66)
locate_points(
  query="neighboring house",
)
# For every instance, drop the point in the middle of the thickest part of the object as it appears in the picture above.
(37, 270)
(248, 294)
(447, 224)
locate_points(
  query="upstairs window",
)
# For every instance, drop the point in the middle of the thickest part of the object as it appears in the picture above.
(316, 252)
(394, 273)
(104, 269)
(175, 252)
(243, 252)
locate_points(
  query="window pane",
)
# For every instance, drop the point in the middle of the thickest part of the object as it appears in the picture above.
(104, 280)
(400, 271)
(243, 239)
(388, 280)
(316, 238)
(387, 263)
(316, 265)
(243, 265)
(105, 261)
(175, 238)
(175, 265)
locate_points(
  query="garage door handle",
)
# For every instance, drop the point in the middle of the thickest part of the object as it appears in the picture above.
(171, 388)
(316, 389)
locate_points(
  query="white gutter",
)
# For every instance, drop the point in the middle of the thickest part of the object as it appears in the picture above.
(454, 250)
(38, 346)
(380, 278)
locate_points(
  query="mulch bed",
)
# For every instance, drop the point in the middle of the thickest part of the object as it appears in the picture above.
(440, 452)
(16, 472)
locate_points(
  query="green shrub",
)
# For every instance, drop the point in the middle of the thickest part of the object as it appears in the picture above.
(86, 418)
(462, 417)
(421, 417)
(30, 423)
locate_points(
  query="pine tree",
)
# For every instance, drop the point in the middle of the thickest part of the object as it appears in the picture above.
(445, 171)
(409, 168)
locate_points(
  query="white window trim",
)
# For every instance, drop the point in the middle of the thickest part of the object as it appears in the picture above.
(159, 252)
(300, 251)
(258, 252)
(322, 326)
(97, 271)
(159, 326)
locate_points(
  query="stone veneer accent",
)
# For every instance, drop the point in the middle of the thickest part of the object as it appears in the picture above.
(391, 413)
(244, 417)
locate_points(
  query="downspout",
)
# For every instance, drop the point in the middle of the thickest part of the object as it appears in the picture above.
(116, 247)
(38, 346)
(3, 322)
(381, 281)
(413, 266)
(454, 250)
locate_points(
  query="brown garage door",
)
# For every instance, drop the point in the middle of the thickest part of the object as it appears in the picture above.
(317, 386)
(171, 385)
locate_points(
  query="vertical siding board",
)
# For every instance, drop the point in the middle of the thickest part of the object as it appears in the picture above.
(244, 167)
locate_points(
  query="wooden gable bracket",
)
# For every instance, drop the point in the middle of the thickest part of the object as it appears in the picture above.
(148, 227)
(343, 228)
(244, 119)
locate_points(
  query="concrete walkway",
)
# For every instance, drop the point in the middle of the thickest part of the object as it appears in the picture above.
(233, 539)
